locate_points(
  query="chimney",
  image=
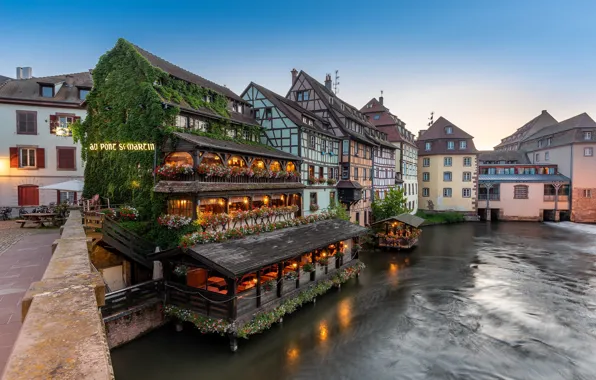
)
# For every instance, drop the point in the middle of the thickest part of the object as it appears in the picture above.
(381, 98)
(328, 82)
(24, 73)
(69, 81)
(543, 112)
(420, 133)
(294, 76)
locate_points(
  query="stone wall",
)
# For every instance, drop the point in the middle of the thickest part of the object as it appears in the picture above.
(583, 209)
(129, 325)
(63, 335)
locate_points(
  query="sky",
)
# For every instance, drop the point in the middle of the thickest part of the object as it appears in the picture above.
(486, 66)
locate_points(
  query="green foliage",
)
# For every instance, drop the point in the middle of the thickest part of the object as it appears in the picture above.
(340, 211)
(441, 217)
(394, 203)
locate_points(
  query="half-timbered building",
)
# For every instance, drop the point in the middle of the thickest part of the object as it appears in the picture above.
(292, 129)
(359, 140)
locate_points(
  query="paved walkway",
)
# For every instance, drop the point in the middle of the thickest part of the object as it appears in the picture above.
(24, 256)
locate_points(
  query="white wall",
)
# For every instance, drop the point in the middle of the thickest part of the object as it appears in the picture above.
(11, 178)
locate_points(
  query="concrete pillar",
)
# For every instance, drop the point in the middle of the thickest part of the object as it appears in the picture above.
(557, 216)
(488, 214)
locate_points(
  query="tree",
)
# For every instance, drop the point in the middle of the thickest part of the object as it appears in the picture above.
(340, 212)
(394, 203)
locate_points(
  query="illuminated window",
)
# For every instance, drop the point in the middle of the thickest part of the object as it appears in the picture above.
(211, 159)
(275, 166)
(180, 207)
(258, 164)
(290, 167)
(237, 161)
(179, 158)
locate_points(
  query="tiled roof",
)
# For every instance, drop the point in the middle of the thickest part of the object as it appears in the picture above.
(3, 79)
(186, 75)
(583, 120)
(235, 147)
(521, 178)
(536, 124)
(348, 184)
(28, 89)
(509, 155)
(386, 122)
(286, 105)
(437, 136)
(437, 131)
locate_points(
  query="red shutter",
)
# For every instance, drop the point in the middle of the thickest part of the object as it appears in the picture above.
(14, 157)
(53, 123)
(28, 195)
(57, 197)
(40, 158)
(66, 158)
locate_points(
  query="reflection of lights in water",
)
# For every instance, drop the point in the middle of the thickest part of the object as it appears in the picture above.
(393, 268)
(323, 331)
(407, 260)
(344, 313)
(292, 354)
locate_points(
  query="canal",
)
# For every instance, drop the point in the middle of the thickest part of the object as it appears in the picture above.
(474, 301)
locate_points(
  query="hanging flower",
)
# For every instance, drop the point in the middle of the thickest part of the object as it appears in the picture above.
(173, 222)
(128, 213)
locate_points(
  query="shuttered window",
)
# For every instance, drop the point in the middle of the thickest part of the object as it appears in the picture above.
(26, 122)
(66, 158)
(28, 195)
(520, 192)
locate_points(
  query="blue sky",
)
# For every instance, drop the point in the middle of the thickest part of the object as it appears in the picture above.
(487, 66)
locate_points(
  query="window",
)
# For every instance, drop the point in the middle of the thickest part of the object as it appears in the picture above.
(26, 122)
(371, 174)
(358, 218)
(83, 93)
(546, 156)
(425, 192)
(311, 141)
(355, 173)
(238, 107)
(377, 117)
(332, 198)
(537, 157)
(46, 91)
(539, 143)
(467, 177)
(268, 114)
(447, 192)
(208, 99)
(302, 95)
(427, 146)
(426, 162)
(69, 197)
(447, 161)
(587, 193)
(588, 135)
(356, 148)
(182, 121)
(467, 161)
(520, 192)
(324, 146)
(345, 173)
(549, 141)
(450, 145)
(345, 146)
(449, 130)
(447, 176)
(463, 144)
(27, 158)
(588, 152)
(466, 193)
(426, 176)
(66, 158)
(313, 198)
(28, 195)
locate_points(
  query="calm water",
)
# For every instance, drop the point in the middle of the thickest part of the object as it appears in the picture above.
(473, 301)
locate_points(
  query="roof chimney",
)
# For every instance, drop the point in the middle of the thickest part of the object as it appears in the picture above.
(294, 76)
(420, 133)
(543, 112)
(69, 80)
(24, 73)
(328, 82)
(381, 98)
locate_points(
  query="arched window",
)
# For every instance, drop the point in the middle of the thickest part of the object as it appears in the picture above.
(258, 164)
(236, 161)
(211, 159)
(179, 158)
(28, 195)
(275, 166)
(290, 167)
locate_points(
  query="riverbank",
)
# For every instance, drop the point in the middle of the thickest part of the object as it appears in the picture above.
(447, 217)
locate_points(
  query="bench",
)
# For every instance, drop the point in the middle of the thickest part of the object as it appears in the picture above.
(22, 222)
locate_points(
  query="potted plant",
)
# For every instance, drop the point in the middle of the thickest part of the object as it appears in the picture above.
(291, 276)
(128, 213)
(314, 207)
(268, 285)
(312, 180)
(331, 181)
(308, 268)
(324, 260)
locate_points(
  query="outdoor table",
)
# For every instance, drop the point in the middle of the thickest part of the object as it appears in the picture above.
(39, 218)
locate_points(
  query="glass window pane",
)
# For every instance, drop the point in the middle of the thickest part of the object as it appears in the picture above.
(31, 157)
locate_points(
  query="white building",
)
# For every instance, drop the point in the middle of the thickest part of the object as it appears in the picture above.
(36, 148)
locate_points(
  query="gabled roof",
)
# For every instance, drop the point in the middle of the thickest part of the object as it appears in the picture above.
(386, 122)
(509, 155)
(409, 219)
(186, 75)
(3, 79)
(531, 127)
(287, 105)
(28, 90)
(438, 131)
(375, 106)
(583, 120)
(236, 147)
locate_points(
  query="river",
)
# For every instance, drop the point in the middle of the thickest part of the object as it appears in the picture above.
(474, 301)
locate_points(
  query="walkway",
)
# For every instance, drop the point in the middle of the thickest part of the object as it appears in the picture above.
(22, 262)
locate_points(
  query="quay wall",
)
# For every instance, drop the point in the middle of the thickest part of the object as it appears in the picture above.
(131, 324)
(63, 335)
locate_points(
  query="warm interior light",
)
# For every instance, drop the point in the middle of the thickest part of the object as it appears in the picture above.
(245, 200)
(282, 197)
(294, 265)
(323, 254)
(254, 280)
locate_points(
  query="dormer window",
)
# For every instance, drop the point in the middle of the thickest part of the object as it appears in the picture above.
(268, 114)
(549, 141)
(587, 135)
(450, 145)
(331, 100)
(343, 107)
(377, 117)
(449, 130)
(307, 120)
(427, 146)
(83, 92)
(46, 91)
(238, 107)
(539, 143)
(208, 99)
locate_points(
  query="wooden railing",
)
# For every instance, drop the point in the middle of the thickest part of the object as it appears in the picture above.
(93, 219)
(124, 299)
(127, 242)
(231, 179)
(202, 301)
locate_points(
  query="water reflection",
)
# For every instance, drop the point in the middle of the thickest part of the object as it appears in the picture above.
(473, 301)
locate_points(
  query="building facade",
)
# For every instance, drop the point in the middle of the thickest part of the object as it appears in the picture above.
(570, 144)
(406, 153)
(512, 142)
(290, 128)
(358, 136)
(447, 161)
(37, 145)
(510, 187)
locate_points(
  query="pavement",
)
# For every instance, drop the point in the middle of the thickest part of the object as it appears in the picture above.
(24, 256)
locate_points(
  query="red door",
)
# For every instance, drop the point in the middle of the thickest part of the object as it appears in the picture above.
(28, 195)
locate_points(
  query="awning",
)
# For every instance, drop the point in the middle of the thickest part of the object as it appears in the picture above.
(72, 185)
(237, 257)
(409, 219)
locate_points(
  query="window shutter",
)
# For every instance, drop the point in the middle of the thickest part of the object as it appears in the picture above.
(14, 157)
(58, 197)
(53, 123)
(40, 157)
(65, 158)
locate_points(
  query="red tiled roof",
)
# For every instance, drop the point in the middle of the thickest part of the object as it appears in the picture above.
(438, 131)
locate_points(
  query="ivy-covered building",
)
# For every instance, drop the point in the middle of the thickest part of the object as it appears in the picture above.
(289, 127)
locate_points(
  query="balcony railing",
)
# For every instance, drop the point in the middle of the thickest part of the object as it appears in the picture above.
(492, 197)
(229, 179)
(551, 198)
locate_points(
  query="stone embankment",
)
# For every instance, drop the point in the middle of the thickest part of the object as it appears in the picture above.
(63, 335)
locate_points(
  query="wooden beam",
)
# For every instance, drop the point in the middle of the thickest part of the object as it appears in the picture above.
(259, 288)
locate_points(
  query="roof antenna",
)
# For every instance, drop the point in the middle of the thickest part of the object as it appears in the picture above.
(432, 115)
(336, 83)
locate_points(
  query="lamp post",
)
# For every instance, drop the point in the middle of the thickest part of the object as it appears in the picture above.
(487, 186)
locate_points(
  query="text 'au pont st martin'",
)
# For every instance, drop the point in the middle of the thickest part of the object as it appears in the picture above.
(122, 146)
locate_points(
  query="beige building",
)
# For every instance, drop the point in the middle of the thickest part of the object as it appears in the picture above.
(447, 168)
